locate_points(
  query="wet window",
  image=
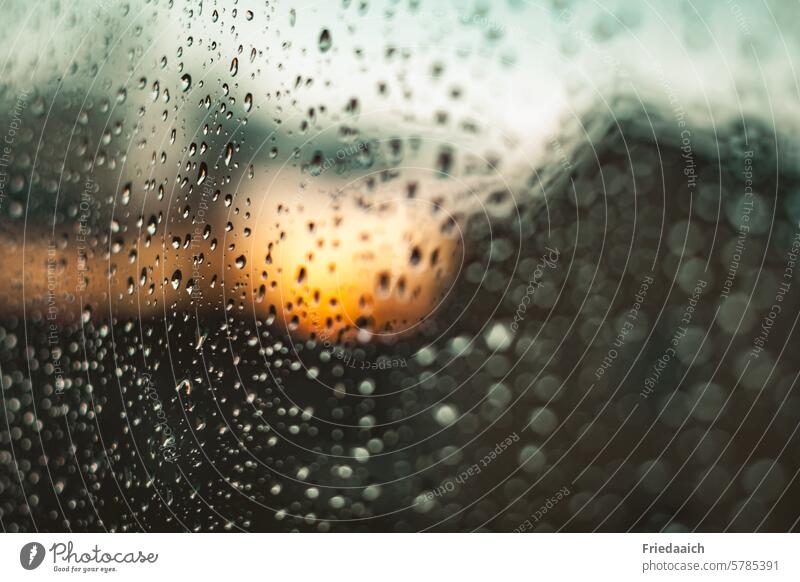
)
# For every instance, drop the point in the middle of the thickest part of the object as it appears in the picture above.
(398, 266)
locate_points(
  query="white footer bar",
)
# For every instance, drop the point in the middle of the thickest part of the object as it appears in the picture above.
(398, 557)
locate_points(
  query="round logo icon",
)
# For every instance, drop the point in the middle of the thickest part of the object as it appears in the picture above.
(31, 555)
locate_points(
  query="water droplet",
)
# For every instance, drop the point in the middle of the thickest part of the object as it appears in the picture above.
(126, 194)
(200, 339)
(325, 40)
(416, 256)
(185, 385)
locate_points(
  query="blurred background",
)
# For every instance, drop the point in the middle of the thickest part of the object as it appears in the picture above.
(399, 265)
